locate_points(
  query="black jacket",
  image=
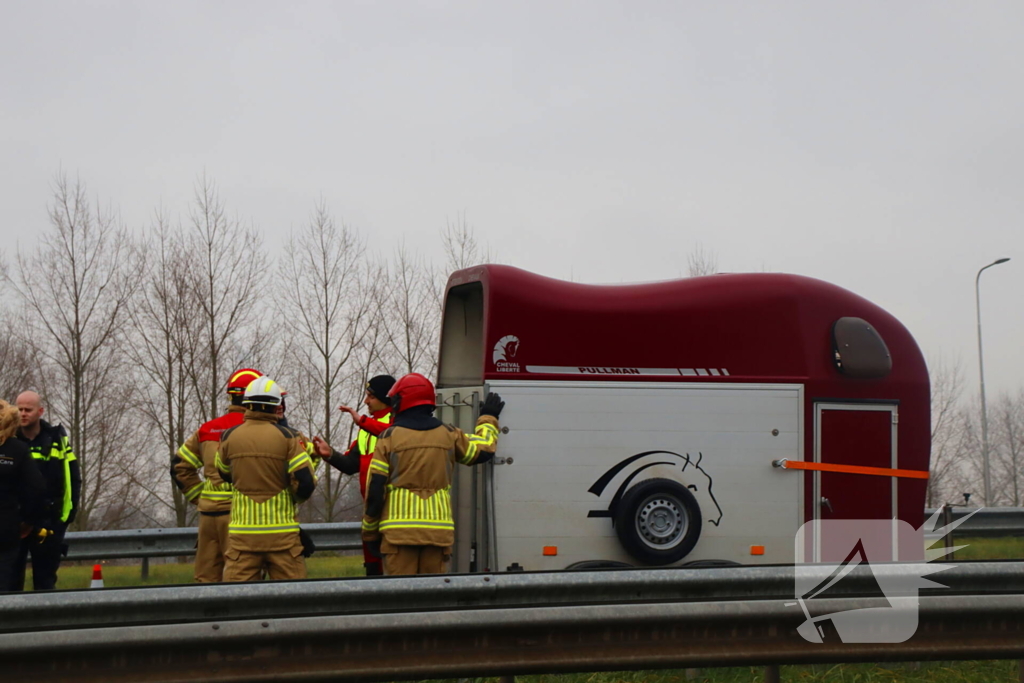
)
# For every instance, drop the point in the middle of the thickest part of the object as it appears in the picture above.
(56, 462)
(22, 492)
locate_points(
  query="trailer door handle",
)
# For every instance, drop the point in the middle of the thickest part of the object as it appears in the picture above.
(826, 504)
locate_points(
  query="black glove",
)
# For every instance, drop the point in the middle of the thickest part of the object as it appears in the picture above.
(374, 548)
(308, 546)
(492, 405)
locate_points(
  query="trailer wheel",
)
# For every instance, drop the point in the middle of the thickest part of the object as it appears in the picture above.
(658, 521)
(586, 565)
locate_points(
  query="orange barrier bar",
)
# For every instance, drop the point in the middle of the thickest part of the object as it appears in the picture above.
(850, 469)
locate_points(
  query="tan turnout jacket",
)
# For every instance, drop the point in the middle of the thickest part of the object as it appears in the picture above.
(418, 466)
(267, 464)
(210, 492)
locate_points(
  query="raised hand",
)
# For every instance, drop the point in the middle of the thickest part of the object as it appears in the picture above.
(322, 448)
(351, 411)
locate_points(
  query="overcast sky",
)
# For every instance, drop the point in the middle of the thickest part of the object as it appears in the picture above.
(876, 145)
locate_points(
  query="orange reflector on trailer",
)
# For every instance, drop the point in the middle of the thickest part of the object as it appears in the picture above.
(848, 469)
(551, 550)
(757, 550)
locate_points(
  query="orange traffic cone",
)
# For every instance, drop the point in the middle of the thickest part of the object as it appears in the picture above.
(97, 577)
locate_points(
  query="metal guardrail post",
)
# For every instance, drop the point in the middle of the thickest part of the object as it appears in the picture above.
(771, 674)
(947, 519)
(145, 569)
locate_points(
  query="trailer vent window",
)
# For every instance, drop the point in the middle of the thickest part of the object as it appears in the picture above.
(858, 350)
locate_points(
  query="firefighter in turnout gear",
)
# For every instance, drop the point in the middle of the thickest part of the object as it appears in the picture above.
(211, 493)
(52, 454)
(270, 467)
(408, 511)
(360, 452)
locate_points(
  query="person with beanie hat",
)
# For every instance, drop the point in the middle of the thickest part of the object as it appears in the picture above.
(357, 458)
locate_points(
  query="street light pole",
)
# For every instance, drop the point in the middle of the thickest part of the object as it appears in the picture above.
(981, 371)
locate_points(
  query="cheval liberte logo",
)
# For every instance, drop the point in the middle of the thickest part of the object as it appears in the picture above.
(867, 546)
(505, 352)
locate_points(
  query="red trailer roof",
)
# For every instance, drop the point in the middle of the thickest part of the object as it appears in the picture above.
(503, 322)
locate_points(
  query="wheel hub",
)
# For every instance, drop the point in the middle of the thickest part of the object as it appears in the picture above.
(661, 522)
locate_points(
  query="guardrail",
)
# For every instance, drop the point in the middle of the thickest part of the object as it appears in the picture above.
(986, 522)
(174, 542)
(181, 541)
(397, 628)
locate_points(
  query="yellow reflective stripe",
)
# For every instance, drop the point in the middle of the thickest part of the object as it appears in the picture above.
(189, 457)
(67, 454)
(380, 466)
(194, 491)
(273, 513)
(415, 524)
(486, 435)
(262, 529)
(370, 526)
(407, 509)
(298, 461)
(488, 439)
(220, 463)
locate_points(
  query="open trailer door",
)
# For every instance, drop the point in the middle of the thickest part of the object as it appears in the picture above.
(460, 388)
(472, 487)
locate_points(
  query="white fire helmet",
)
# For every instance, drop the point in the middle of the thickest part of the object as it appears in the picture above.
(264, 391)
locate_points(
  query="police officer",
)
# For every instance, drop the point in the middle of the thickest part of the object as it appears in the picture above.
(211, 493)
(270, 467)
(52, 453)
(408, 513)
(360, 452)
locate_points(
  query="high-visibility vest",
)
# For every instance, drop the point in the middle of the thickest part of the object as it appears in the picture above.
(367, 441)
(59, 449)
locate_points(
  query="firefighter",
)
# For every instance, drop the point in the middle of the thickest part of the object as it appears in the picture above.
(211, 493)
(271, 470)
(360, 452)
(52, 453)
(408, 515)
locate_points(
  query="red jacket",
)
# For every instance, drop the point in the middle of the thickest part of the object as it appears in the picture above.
(352, 460)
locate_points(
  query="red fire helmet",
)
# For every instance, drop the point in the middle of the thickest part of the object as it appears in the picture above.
(412, 390)
(240, 379)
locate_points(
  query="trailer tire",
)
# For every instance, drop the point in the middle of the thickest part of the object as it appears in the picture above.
(658, 521)
(586, 565)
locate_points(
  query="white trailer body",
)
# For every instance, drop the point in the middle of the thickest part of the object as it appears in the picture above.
(562, 437)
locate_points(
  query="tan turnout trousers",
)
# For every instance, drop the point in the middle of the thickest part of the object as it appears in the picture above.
(212, 542)
(279, 565)
(407, 560)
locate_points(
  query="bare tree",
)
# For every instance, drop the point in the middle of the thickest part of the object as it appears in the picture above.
(701, 261)
(76, 285)
(412, 312)
(227, 271)
(947, 430)
(461, 247)
(18, 368)
(1007, 450)
(162, 351)
(327, 294)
